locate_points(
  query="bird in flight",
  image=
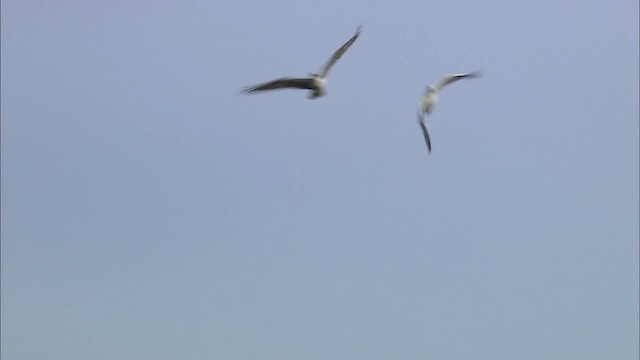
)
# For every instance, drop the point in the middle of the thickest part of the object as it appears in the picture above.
(430, 99)
(316, 83)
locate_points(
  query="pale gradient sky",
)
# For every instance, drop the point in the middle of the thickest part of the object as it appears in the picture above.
(149, 211)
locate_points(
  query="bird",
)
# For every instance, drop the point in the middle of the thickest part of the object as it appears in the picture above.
(430, 99)
(316, 83)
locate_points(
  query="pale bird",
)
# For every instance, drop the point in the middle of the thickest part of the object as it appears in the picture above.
(316, 83)
(430, 99)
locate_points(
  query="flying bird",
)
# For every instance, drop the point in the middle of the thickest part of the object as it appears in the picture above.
(430, 99)
(316, 83)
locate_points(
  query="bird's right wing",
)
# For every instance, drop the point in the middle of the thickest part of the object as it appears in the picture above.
(281, 83)
(422, 120)
(336, 55)
(453, 78)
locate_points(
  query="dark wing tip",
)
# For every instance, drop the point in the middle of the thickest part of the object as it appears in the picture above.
(247, 90)
(476, 73)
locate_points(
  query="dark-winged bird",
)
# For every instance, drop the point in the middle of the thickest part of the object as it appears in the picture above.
(430, 99)
(316, 83)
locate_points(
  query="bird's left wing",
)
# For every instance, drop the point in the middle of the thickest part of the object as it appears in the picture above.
(422, 120)
(336, 55)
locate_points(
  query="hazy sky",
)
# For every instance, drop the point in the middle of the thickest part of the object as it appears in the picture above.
(150, 211)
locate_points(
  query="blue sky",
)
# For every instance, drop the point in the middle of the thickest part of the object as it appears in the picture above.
(150, 211)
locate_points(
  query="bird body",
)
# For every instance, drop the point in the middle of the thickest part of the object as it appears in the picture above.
(430, 99)
(319, 86)
(316, 83)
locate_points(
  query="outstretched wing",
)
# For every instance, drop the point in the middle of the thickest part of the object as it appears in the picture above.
(453, 78)
(336, 55)
(281, 83)
(422, 120)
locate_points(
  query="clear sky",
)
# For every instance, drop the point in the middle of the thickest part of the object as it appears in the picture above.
(150, 211)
